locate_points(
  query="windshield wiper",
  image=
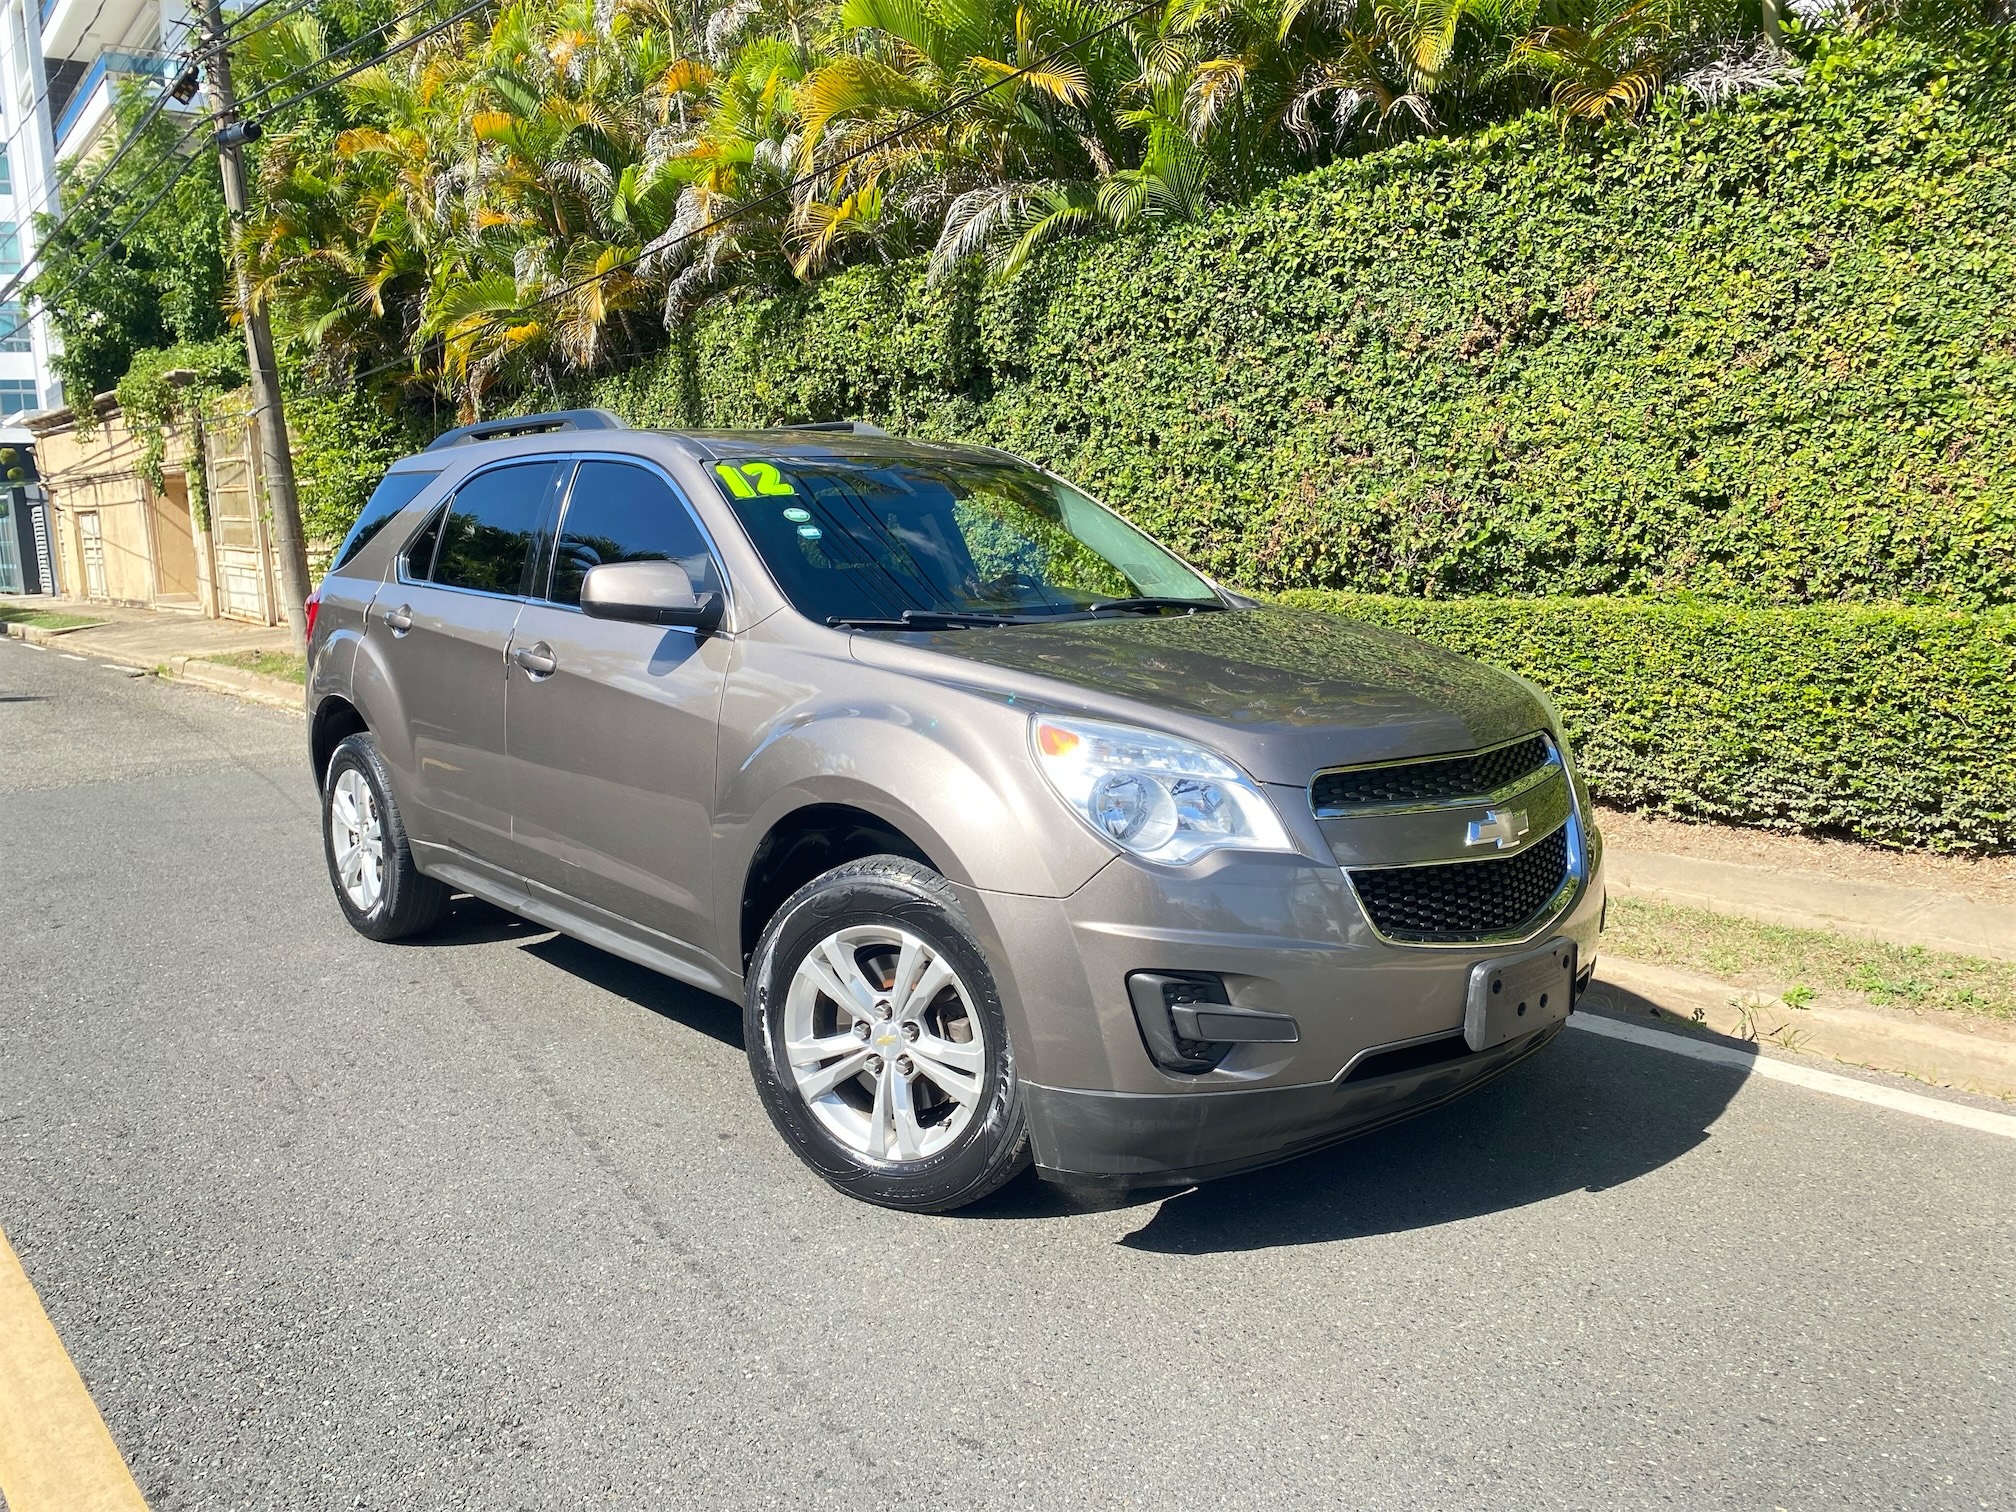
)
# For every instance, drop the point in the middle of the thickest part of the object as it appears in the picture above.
(1153, 605)
(923, 619)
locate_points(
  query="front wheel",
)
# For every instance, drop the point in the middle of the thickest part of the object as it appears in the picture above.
(877, 1040)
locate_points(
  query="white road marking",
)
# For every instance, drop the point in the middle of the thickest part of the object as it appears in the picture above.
(73, 656)
(1978, 1119)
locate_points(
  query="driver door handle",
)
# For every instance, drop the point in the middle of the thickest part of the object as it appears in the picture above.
(537, 659)
(399, 620)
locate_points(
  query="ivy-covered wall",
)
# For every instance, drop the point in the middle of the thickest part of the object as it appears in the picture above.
(1764, 353)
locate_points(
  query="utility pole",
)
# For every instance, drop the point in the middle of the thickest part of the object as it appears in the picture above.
(276, 456)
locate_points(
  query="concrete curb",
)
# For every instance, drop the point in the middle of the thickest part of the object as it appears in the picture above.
(41, 635)
(1964, 1051)
(1810, 900)
(274, 692)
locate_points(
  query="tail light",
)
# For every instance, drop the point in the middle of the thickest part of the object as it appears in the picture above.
(308, 612)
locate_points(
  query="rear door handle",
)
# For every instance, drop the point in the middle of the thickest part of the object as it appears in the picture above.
(538, 659)
(399, 620)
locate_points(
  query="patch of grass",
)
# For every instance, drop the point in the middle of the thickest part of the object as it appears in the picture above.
(43, 619)
(285, 665)
(1767, 956)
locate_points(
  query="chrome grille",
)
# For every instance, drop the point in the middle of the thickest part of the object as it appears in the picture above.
(1465, 900)
(1438, 781)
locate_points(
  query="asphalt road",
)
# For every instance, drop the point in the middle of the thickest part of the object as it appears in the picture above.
(495, 1221)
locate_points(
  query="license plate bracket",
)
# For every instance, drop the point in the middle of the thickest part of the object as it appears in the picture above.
(1517, 995)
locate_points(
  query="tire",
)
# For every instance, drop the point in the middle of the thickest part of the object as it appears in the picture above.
(931, 1117)
(358, 810)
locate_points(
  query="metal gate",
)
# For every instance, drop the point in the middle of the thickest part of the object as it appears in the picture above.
(237, 534)
(94, 554)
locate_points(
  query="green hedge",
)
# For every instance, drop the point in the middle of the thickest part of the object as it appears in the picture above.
(1765, 353)
(1891, 724)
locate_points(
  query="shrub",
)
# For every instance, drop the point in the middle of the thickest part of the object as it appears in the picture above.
(1765, 352)
(1888, 724)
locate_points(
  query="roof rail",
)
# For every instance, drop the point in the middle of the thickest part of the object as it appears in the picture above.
(853, 427)
(526, 425)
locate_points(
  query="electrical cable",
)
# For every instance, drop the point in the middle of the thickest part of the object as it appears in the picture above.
(53, 184)
(232, 37)
(371, 62)
(176, 178)
(41, 252)
(251, 105)
(950, 108)
(113, 241)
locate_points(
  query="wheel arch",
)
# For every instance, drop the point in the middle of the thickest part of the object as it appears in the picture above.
(336, 720)
(807, 841)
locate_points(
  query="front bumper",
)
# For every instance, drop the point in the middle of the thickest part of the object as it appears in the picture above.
(1286, 936)
(1117, 1140)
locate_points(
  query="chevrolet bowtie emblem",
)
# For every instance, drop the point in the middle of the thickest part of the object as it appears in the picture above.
(1500, 827)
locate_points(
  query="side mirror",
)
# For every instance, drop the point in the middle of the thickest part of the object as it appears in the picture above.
(648, 593)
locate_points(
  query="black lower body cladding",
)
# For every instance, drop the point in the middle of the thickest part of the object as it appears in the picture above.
(1117, 1140)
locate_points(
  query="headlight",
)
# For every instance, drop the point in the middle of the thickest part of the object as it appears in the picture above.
(1162, 798)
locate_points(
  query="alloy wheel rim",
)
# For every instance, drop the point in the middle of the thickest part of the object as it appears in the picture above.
(884, 1043)
(357, 833)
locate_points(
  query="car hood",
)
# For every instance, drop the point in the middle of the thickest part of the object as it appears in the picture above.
(1284, 692)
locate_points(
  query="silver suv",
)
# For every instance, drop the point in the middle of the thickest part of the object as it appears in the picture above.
(1018, 838)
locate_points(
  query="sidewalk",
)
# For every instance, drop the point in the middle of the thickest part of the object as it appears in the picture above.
(1942, 903)
(146, 638)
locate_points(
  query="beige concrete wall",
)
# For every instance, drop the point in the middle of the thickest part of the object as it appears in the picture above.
(146, 547)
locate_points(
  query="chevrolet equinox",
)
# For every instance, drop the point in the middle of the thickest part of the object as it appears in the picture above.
(1019, 839)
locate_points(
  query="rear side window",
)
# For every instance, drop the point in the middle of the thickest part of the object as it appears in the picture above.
(392, 494)
(625, 514)
(493, 520)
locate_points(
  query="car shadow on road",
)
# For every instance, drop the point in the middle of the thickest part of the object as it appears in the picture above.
(715, 1017)
(471, 921)
(1584, 1115)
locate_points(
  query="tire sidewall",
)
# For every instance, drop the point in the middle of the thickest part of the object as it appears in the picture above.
(359, 754)
(898, 894)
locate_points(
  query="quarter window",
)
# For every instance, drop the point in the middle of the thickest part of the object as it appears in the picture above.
(492, 521)
(393, 493)
(420, 550)
(625, 514)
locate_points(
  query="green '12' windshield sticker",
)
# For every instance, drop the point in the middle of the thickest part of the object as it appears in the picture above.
(753, 478)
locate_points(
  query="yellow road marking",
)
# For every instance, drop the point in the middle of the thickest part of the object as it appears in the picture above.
(55, 1452)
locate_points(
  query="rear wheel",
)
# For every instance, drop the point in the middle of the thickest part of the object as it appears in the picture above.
(877, 1041)
(379, 889)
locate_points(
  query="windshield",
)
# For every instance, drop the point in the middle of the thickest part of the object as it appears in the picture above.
(878, 540)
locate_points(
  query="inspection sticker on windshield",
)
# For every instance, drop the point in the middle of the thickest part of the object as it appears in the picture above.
(810, 532)
(749, 479)
(797, 516)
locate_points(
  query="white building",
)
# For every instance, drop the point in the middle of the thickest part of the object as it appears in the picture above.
(61, 64)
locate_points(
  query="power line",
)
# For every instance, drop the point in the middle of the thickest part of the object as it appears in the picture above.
(373, 61)
(30, 111)
(112, 242)
(267, 25)
(950, 108)
(53, 184)
(172, 49)
(246, 106)
(42, 251)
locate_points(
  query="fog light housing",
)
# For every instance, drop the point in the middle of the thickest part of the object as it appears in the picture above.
(1189, 1025)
